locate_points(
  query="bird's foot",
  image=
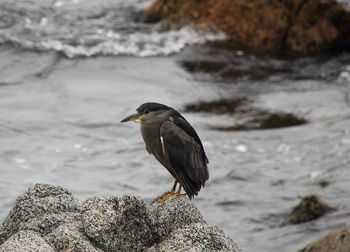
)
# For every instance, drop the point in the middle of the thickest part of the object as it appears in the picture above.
(162, 197)
(166, 196)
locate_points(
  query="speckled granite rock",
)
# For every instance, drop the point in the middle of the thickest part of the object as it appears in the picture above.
(26, 241)
(40, 207)
(167, 217)
(118, 224)
(196, 237)
(49, 218)
(69, 237)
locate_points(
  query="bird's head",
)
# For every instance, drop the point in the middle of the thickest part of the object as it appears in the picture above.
(149, 112)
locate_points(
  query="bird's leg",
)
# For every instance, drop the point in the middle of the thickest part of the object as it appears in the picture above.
(166, 195)
(178, 192)
(174, 186)
(171, 194)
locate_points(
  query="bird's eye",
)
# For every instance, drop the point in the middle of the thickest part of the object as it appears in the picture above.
(146, 112)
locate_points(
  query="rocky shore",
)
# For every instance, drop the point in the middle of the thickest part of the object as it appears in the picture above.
(48, 218)
(293, 27)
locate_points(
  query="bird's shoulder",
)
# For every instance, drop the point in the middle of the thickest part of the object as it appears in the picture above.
(177, 119)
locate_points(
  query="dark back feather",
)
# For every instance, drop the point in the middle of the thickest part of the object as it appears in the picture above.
(180, 121)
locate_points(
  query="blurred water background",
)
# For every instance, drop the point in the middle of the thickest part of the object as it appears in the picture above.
(71, 70)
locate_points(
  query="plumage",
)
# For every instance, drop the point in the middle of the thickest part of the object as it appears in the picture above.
(175, 144)
(184, 154)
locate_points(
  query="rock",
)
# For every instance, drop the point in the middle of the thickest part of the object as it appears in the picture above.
(49, 218)
(278, 27)
(196, 237)
(50, 205)
(69, 237)
(310, 208)
(335, 241)
(172, 215)
(118, 224)
(48, 223)
(248, 117)
(261, 119)
(26, 241)
(220, 106)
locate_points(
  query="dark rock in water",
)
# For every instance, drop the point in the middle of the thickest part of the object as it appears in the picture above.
(267, 120)
(249, 117)
(204, 66)
(335, 241)
(310, 208)
(280, 120)
(49, 218)
(221, 106)
(293, 27)
(233, 69)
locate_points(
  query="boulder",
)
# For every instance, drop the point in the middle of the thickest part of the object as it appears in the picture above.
(70, 237)
(310, 208)
(41, 208)
(246, 115)
(172, 215)
(293, 27)
(49, 218)
(118, 224)
(335, 241)
(26, 241)
(196, 237)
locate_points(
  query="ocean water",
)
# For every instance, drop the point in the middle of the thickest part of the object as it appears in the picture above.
(88, 28)
(71, 70)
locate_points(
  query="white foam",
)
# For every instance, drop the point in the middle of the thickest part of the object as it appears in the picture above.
(137, 44)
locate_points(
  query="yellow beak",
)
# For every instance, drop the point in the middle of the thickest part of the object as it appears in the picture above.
(134, 117)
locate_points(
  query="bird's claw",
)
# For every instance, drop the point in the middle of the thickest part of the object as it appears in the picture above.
(166, 196)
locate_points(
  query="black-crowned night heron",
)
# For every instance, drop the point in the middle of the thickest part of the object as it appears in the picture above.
(175, 144)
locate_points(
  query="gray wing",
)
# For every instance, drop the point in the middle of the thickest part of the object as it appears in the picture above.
(184, 154)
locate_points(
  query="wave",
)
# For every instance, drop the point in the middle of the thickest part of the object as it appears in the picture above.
(87, 29)
(136, 44)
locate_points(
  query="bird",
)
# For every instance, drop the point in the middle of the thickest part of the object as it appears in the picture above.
(171, 139)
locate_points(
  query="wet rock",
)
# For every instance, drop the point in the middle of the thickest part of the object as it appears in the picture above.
(26, 241)
(221, 106)
(335, 241)
(248, 117)
(266, 120)
(233, 70)
(172, 215)
(292, 27)
(118, 224)
(49, 218)
(310, 208)
(196, 237)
